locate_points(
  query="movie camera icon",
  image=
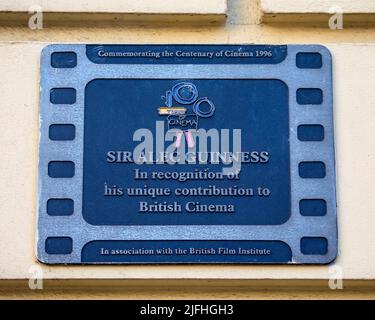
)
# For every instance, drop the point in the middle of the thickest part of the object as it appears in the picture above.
(185, 94)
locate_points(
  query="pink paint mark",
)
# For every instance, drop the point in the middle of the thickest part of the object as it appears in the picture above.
(189, 139)
(178, 139)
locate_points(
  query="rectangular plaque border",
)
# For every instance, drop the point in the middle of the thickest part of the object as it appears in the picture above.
(291, 232)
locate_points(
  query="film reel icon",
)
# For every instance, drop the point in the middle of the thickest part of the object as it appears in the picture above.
(187, 93)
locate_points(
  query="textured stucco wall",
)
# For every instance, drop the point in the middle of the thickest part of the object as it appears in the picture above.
(353, 50)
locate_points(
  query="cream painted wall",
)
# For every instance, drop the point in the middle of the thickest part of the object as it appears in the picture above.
(119, 6)
(353, 53)
(317, 6)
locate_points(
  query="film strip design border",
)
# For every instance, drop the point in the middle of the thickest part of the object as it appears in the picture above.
(311, 231)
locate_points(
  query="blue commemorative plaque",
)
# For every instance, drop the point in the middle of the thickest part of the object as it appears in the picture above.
(186, 154)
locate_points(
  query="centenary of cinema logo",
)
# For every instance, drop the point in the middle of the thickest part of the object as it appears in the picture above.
(183, 111)
(186, 94)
